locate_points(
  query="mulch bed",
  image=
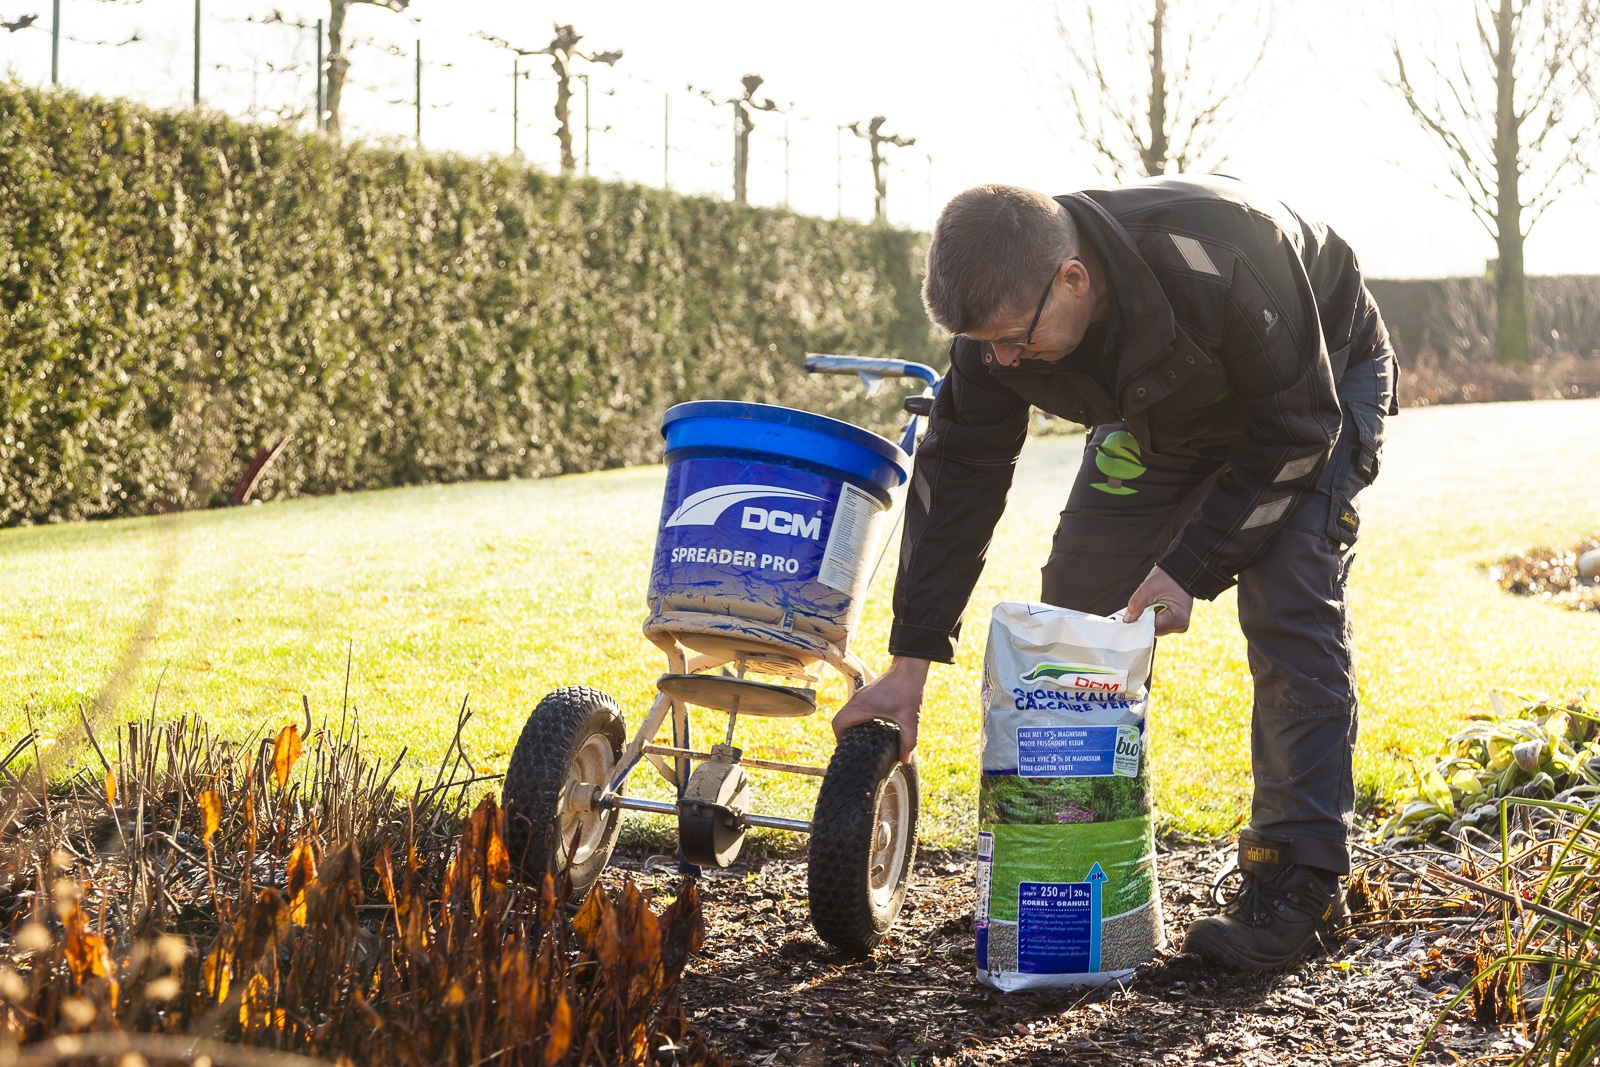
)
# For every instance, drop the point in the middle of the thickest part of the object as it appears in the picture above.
(766, 991)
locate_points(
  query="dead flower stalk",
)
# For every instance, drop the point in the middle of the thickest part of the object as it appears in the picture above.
(281, 902)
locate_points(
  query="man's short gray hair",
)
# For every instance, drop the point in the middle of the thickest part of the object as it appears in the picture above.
(994, 249)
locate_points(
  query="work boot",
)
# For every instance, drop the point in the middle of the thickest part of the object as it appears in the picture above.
(1278, 911)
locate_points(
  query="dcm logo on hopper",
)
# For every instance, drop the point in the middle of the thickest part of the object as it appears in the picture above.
(782, 522)
(727, 523)
(707, 506)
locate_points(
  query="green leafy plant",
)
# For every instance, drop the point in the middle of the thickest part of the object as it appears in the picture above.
(1544, 750)
(1515, 796)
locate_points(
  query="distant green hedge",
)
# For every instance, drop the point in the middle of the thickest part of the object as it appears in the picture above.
(177, 289)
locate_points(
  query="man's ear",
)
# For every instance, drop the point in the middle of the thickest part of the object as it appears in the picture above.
(1076, 275)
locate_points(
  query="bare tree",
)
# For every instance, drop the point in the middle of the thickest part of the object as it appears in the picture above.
(877, 139)
(742, 128)
(293, 112)
(562, 50)
(338, 56)
(1150, 95)
(1517, 117)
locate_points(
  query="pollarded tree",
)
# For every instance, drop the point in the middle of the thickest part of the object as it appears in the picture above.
(1516, 112)
(1157, 93)
(562, 50)
(743, 127)
(338, 56)
(876, 139)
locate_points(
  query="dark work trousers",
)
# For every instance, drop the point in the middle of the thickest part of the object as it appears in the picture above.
(1291, 608)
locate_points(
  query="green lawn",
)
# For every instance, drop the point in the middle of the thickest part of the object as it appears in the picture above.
(501, 591)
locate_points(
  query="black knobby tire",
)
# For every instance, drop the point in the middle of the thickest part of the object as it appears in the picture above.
(845, 910)
(551, 741)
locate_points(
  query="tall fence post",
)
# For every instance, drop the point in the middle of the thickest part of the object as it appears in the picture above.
(419, 92)
(318, 73)
(838, 171)
(516, 75)
(55, 43)
(785, 163)
(197, 54)
(738, 157)
(666, 137)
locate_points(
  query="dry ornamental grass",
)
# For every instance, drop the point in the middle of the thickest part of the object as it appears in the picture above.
(193, 896)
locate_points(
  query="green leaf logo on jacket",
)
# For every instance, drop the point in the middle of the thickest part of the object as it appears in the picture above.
(1118, 459)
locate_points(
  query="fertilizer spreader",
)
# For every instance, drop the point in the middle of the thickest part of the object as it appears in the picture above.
(770, 534)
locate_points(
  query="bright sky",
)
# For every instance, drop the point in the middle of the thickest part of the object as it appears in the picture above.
(975, 84)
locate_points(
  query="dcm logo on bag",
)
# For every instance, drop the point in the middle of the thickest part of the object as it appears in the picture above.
(1079, 676)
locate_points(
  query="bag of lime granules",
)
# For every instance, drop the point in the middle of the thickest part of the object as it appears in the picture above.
(1067, 889)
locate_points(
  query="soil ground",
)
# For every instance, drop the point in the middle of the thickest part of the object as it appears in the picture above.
(766, 991)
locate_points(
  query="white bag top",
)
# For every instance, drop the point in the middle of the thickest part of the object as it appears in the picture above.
(1048, 667)
(1032, 626)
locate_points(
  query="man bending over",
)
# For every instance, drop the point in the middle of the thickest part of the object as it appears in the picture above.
(1235, 375)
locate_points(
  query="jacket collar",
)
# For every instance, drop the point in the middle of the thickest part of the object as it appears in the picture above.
(1148, 329)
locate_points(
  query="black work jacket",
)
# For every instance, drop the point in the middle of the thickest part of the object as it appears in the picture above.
(1236, 321)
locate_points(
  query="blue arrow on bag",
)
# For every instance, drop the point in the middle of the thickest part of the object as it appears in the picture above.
(1097, 881)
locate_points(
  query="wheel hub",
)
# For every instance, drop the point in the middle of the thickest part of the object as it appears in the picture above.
(581, 823)
(892, 816)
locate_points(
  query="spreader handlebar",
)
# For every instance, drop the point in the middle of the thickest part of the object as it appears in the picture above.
(820, 363)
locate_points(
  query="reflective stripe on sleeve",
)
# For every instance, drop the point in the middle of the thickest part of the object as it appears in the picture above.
(1296, 468)
(1267, 513)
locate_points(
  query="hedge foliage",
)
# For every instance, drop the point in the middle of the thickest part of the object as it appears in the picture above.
(1444, 332)
(177, 289)
(1454, 318)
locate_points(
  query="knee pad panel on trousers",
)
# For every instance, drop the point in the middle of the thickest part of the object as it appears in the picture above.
(1296, 623)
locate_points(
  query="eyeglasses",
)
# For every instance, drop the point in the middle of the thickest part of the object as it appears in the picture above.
(1044, 298)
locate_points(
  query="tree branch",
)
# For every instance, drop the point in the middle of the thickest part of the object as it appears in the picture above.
(1113, 118)
(1554, 109)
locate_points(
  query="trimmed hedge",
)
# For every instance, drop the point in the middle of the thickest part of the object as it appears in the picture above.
(1444, 332)
(177, 290)
(1454, 318)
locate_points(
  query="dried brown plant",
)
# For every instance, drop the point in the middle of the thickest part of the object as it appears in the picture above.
(282, 901)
